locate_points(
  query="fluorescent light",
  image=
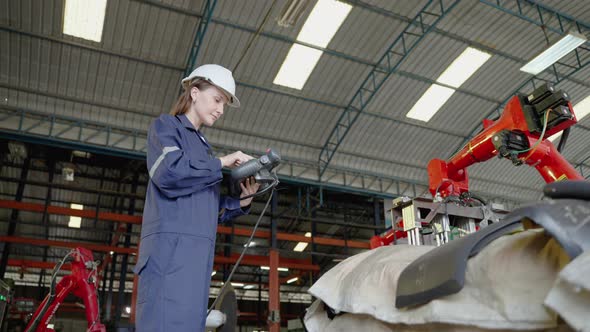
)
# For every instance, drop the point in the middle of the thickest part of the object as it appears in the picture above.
(282, 269)
(213, 273)
(319, 28)
(250, 244)
(291, 13)
(581, 110)
(249, 286)
(292, 280)
(430, 102)
(128, 310)
(75, 222)
(555, 52)
(459, 71)
(463, 67)
(237, 284)
(111, 253)
(324, 20)
(300, 246)
(84, 18)
(297, 66)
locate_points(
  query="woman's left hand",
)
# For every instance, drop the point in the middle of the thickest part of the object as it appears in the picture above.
(249, 187)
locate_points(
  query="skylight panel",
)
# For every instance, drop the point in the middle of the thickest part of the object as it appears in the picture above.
(324, 20)
(320, 27)
(297, 67)
(84, 18)
(459, 71)
(430, 102)
(555, 52)
(463, 67)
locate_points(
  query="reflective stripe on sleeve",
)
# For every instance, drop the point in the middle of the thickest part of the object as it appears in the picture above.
(166, 150)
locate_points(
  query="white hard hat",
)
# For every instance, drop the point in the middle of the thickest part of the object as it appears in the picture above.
(219, 77)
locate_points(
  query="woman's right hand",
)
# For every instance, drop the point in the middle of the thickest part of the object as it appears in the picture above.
(235, 159)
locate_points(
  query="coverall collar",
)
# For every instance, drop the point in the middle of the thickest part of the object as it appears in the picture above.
(186, 122)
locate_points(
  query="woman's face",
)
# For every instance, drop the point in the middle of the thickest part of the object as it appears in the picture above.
(208, 104)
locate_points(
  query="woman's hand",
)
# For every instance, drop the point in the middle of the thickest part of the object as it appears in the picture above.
(235, 159)
(249, 187)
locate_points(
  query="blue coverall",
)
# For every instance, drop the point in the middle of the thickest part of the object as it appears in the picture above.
(179, 225)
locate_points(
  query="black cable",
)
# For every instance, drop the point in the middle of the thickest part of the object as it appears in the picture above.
(563, 139)
(51, 294)
(246, 246)
(469, 195)
(263, 191)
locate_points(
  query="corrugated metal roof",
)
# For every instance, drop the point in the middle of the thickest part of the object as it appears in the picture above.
(489, 26)
(367, 35)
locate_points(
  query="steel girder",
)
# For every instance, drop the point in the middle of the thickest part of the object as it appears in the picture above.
(207, 12)
(118, 141)
(411, 36)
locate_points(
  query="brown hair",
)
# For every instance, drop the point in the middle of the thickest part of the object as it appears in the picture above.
(183, 102)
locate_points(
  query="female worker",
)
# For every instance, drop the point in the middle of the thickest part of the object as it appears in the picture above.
(183, 205)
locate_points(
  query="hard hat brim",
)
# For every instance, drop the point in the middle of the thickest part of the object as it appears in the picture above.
(233, 101)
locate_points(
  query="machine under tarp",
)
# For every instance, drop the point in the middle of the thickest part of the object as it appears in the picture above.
(506, 288)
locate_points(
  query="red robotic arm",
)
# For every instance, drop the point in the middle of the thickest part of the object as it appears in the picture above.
(519, 135)
(81, 283)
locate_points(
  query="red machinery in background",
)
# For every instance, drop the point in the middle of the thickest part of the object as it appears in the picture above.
(82, 282)
(519, 134)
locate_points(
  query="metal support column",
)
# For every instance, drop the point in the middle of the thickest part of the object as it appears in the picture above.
(119, 205)
(229, 239)
(108, 262)
(312, 213)
(14, 215)
(377, 214)
(259, 322)
(45, 221)
(109, 301)
(123, 276)
(274, 303)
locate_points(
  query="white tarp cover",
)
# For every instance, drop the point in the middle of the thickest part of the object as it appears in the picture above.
(505, 288)
(570, 297)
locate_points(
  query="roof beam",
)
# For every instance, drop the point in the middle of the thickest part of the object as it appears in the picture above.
(447, 34)
(207, 13)
(113, 137)
(292, 171)
(541, 15)
(432, 13)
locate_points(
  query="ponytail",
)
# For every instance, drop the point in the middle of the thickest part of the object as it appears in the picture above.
(183, 103)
